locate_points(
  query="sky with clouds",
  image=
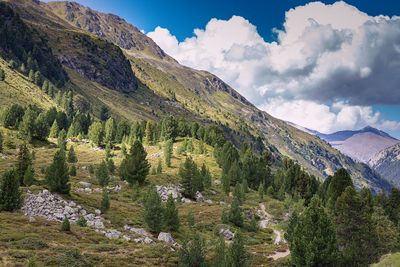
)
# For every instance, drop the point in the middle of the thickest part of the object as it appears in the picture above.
(324, 65)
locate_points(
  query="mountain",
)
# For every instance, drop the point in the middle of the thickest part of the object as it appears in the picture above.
(361, 145)
(110, 62)
(387, 163)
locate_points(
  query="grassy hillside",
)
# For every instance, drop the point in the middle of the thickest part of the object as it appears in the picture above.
(49, 246)
(390, 260)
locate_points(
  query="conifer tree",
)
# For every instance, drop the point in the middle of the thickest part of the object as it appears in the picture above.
(168, 146)
(354, 229)
(123, 150)
(171, 216)
(387, 236)
(206, 176)
(105, 201)
(189, 173)
(45, 86)
(190, 219)
(72, 155)
(41, 127)
(102, 174)
(1, 142)
(159, 167)
(54, 130)
(338, 183)
(10, 194)
(26, 129)
(109, 131)
(237, 254)
(234, 174)
(226, 184)
(153, 211)
(31, 75)
(236, 213)
(29, 176)
(62, 144)
(57, 174)
(96, 133)
(311, 238)
(72, 170)
(239, 194)
(192, 254)
(220, 256)
(24, 160)
(66, 226)
(261, 192)
(149, 133)
(135, 167)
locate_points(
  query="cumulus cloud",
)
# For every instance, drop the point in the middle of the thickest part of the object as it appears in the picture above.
(330, 63)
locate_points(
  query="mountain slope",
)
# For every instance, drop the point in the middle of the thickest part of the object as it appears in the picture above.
(166, 87)
(360, 145)
(387, 162)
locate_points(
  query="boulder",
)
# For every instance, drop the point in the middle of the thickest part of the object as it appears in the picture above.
(165, 191)
(226, 233)
(167, 238)
(112, 234)
(143, 240)
(199, 197)
(85, 184)
(138, 231)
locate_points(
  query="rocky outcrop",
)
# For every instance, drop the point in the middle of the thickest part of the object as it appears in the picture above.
(167, 238)
(165, 191)
(53, 207)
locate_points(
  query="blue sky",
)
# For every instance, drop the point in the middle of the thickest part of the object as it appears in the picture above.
(348, 102)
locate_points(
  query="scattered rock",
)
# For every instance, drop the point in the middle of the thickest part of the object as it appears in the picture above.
(143, 240)
(167, 238)
(126, 238)
(217, 182)
(138, 231)
(208, 201)
(226, 233)
(186, 200)
(112, 234)
(199, 197)
(85, 184)
(32, 219)
(165, 191)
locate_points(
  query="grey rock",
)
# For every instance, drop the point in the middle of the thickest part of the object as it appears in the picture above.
(85, 184)
(199, 197)
(226, 233)
(167, 238)
(143, 240)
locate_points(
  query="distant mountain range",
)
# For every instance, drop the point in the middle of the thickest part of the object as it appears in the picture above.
(368, 145)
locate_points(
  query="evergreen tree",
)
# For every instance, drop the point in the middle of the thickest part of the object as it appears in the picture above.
(171, 216)
(96, 133)
(10, 195)
(2, 75)
(237, 254)
(189, 173)
(31, 75)
(29, 176)
(236, 213)
(387, 236)
(245, 186)
(110, 166)
(190, 219)
(312, 239)
(65, 226)
(338, 183)
(105, 201)
(26, 129)
(37, 78)
(234, 174)
(57, 174)
(159, 167)
(239, 194)
(72, 170)
(392, 206)
(149, 133)
(354, 229)
(54, 130)
(45, 86)
(109, 131)
(192, 254)
(206, 176)
(104, 113)
(72, 155)
(168, 147)
(261, 192)
(226, 184)
(102, 174)
(41, 127)
(62, 144)
(220, 257)
(135, 167)
(153, 211)
(24, 160)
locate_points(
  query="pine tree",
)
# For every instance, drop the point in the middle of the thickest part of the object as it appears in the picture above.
(72, 170)
(153, 211)
(261, 192)
(2, 75)
(62, 144)
(236, 213)
(149, 133)
(135, 167)
(37, 78)
(338, 183)
(54, 130)
(31, 75)
(192, 254)
(26, 129)
(110, 166)
(171, 216)
(96, 133)
(168, 152)
(237, 254)
(45, 86)
(102, 174)
(29, 176)
(239, 194)
(105, 201)
(234, 174)
(159, 167)
(65, 226)
(41, 127)
(245, 186)
(109, 131)
(24, 160)
(206, 176)
(387, 236)
(226, 184)
(312, 239)
(123, 150)
(354, 229)
(188, 173)
(220, 256)
(10, 194)
(72, 156)
(57, 174)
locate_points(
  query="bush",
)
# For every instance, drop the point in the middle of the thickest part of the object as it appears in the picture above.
(31, 243)
(82, 222)
(66, 226)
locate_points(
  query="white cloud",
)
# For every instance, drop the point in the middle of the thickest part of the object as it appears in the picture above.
(324, 54)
